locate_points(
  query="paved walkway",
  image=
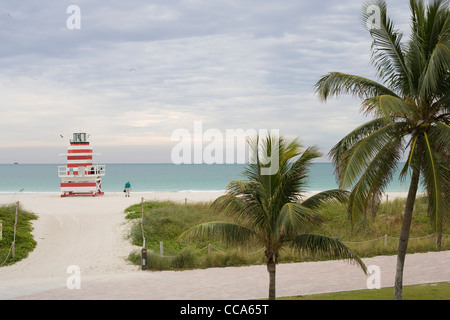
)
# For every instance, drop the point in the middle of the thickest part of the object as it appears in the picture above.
(88, 233)
(233, 283)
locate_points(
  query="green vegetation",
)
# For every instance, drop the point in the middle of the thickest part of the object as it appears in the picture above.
(409, 106)
(388, 220)
(433, 291)
(266, 209)
(165, 221)
(24, 240)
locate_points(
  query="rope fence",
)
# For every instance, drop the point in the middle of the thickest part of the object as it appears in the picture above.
(185, 200)
(209, 247)
(385, 237)
(12, 248)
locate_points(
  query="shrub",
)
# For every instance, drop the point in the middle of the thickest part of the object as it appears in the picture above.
(24, 242)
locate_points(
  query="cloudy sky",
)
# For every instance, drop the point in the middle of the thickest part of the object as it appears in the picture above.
(135, 71)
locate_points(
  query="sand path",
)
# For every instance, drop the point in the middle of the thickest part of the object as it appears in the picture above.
(90, 233)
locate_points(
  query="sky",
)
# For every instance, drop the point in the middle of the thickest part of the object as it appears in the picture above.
(131, 73)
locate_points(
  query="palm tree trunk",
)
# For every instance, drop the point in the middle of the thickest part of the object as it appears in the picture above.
(404, 234)
(271, 267)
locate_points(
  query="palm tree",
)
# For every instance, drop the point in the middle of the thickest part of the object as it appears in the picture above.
(411, 110)
(267, 208)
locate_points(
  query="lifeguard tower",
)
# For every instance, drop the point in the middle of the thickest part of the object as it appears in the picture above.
(80, 177)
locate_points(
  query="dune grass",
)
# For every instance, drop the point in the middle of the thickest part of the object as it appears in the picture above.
(24, 243)
(165, 221)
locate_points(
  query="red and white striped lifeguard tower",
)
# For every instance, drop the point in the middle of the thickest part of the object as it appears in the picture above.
(80, 177)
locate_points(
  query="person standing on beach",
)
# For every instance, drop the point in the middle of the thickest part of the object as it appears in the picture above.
(127, 188)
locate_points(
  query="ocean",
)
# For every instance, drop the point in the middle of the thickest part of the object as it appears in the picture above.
(37, 178)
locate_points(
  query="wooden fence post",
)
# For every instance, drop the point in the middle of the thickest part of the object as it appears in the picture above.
(13, 246)
(142, 222)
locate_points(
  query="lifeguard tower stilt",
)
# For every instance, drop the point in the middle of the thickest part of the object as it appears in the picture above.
(80, 177)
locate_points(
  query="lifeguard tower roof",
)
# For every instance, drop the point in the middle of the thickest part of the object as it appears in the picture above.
(79, 137)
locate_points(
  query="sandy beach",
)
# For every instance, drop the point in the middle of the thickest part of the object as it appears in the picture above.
(90, 233)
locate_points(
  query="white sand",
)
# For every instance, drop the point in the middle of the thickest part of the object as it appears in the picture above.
(88, 232)
(85, 231)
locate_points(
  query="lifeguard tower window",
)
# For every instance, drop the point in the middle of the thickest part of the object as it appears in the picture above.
(79, 138)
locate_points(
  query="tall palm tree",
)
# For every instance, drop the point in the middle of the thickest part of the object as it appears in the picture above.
(268, 208)
(411, 110)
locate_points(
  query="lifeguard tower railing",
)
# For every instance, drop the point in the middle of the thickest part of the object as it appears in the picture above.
(91, 170)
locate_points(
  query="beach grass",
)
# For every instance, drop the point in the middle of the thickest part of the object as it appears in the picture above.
(24, 241)
(164, 221)
(429, 291)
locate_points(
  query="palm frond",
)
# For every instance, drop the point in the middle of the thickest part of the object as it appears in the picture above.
(341, 148)
(327, 247)
(229, 204)
(389, 107)
(439, 65)
(408, 163)
(293, 219)
(264, 154)
(320, 198)
(393, 107)
(295, 176)
(416, 62)
(441, 108)
(246, 208)
(337, 84)
(267, 207)
(434, 173)
(439, 135)
(427, 23)
(388, 54)
(359, 156)
(429, 45)
(375, 176)
(244, 187)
